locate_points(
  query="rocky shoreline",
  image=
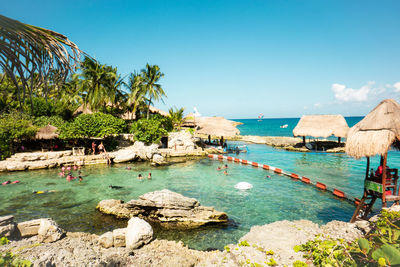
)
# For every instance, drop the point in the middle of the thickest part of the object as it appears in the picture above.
(44, 243)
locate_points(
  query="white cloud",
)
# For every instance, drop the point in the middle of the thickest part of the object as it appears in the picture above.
(396, 87)
(342, 93)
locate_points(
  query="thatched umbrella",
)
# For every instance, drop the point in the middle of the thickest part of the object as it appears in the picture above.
(189, 120)
(47, 132)
(374, 135)
(217, 126)
(321, 126)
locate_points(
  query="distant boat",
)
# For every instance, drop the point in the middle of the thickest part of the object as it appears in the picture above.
(284, 126)
(260, 117)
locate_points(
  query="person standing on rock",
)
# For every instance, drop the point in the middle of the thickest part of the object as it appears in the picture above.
(94, 147)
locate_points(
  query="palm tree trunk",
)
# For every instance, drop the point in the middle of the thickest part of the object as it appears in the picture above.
(148, 109)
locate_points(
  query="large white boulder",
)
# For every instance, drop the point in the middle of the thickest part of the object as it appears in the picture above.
(138, 233)
(49, 231)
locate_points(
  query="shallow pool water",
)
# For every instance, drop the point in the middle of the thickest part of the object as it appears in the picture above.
(73, 204)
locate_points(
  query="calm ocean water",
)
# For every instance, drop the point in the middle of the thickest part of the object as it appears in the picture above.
(271, 127)
(271, 199)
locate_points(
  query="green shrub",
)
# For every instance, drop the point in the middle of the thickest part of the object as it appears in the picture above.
(9, 259)
(151, 130)
(13, 127)
(92, 125)
(42, 121)
(40, 107)
(380, 247)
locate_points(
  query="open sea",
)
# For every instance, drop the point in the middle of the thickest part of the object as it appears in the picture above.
(271, 199)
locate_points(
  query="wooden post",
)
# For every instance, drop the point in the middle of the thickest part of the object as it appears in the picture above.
(339, 139)
(366, 173)
(384, 174)
(304, 141)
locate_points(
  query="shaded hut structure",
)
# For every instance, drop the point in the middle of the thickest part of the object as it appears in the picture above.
(375, 135)
(321, 126)
(83, 109)
(189, 121)
(155, 110)
(48, 132)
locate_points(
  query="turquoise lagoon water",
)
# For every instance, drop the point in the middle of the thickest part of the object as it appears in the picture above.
(271, 199)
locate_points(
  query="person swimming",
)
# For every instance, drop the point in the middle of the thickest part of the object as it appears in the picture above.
(128, 168)
(140, 177)
(149, 176)
(115, 187)
(225, 172)
(43, 191)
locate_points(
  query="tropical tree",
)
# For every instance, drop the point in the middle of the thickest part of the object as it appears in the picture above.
(30, 54)
(176, 116)
(95, 78)
(151, 75)
(136, 96)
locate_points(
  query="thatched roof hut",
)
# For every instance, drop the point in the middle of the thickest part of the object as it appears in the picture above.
(83, 109)
(159, 111)
(189, 120)
(217, 126)
(374, 134)
(321, 126)
(47, 132)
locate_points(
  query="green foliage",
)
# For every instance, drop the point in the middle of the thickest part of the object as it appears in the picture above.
(151, 130)
(190, 130)
(299, 264)
(10, 259)
(176, 116)
(42, 121)
(381, 246)
(40, 107)
(244, 243)
(227, 249)
(255, 264)
(272, 262)
(14, 126)
(92, 125)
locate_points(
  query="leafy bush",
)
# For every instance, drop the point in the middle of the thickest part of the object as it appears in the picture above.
(14, 126)
(151, 130)
(42, 121)
(10, 259)
(380, 247)
(92, 125)
(40, 107)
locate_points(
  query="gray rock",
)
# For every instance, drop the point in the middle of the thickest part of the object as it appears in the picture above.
(158, 159)
(363, 226)
(106, 240)
(125, 155)
(169, 209)
(29, 228)
(119, 237)
(16, 166)
(8, 230)
(6, 220)
(49, 231)
(138, 233)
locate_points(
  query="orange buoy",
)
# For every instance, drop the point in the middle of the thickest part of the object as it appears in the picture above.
(277, 170)
(229, 158)
(320, 186)
(305, 180)
(265, 167)
(220, 157)
(294, 176)
(255, 164)
(210, 155)
(338, 193)
(244, 161)
(237, 160)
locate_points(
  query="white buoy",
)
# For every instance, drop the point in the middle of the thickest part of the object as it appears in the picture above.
(243, 186)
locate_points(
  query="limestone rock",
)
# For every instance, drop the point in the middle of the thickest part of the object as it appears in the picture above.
(158, 159)
(36, 165)
(339, 229)
(182, 140)
(29, 228)
(6, 220)
(49, 231)
(170, 209)
(7, 230)
(119, 237)
(114, 207)
(125, 155)
(16, 166)
(106, 240)
(138, 233)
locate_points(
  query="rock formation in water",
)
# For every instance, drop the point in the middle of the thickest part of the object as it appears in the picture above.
(169, 209)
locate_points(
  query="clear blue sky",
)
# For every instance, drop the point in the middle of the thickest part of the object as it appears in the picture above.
(240, 58)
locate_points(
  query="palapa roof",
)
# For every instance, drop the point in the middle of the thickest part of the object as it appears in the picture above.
(47, 132)
(217, 126)
(83, 110)
(159, 111)
(374, 134)
(321, 126)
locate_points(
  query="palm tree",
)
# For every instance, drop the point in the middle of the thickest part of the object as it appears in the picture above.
(176, 116)
(29, 53)
(95, 78)
(137, 92)
(151, 74)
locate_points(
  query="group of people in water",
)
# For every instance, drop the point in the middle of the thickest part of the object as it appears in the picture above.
(140, 176)
(225, 167)
(69, 176)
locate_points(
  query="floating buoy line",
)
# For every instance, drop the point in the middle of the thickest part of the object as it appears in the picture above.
(321, 186)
